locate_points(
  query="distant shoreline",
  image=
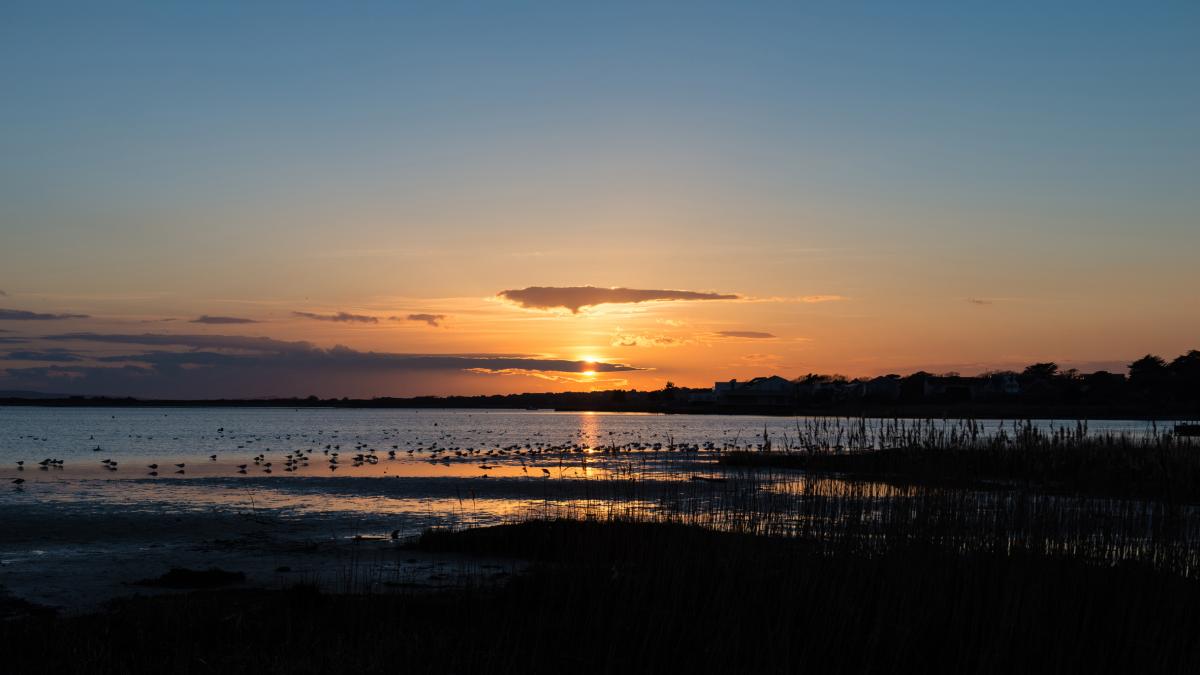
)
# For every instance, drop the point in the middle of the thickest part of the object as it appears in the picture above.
(903, 411)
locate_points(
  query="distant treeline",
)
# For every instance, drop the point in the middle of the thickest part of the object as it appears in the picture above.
(1151, 382)
(1153, 388)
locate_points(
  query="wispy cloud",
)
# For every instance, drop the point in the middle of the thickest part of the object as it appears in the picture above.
(802, 299)
(340, 317)
(745, 334)
(554, 377)
(575, 298)
(434, 320)
(51, 355)
(221, 320)
(22, 315)
(647, 340)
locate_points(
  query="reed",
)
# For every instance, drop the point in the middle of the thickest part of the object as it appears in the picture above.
(618, 596)
(1067, 460)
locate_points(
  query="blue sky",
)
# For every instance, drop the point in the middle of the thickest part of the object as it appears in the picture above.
(189, 158)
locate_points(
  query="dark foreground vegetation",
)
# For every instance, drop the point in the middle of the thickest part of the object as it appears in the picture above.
(621, 597)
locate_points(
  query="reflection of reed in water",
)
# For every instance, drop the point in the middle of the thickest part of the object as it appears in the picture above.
(871, 517)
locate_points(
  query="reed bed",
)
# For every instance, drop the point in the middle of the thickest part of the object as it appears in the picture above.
(1069, 460)
(869, 518)
(956, 486)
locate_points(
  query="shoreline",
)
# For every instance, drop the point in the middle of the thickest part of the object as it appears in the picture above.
(914, 411)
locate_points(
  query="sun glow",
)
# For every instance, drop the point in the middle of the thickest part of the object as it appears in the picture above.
(588, 365)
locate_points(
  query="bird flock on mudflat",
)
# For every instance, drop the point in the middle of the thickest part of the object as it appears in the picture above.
(328, 448)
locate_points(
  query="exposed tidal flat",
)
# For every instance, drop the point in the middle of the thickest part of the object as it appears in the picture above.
(966, 545)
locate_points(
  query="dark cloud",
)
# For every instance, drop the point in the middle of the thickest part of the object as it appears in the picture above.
(55, 355)
(22, 315)
(979, 301)
(3, 294)
(346, 358)
(576, 298)
(238, 343)
(226, 342)
(207, 366)
(219, 320)
(747, 334)
(434, 320)
(340, 317)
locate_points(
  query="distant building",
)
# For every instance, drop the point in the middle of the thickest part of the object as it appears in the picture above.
(958, 388)
(997, 385)
(761, 391)
(885, 388)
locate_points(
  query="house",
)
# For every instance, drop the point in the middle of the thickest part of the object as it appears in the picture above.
(760, 391)
(949, 387)
(885, 388)
(996, 385)
(984, 387)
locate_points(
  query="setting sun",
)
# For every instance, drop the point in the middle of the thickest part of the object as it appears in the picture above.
(588, 365)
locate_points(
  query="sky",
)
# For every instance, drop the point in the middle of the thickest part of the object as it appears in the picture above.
(367, 199)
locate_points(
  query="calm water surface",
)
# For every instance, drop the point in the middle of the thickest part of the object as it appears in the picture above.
(336, 475)
(433, 465)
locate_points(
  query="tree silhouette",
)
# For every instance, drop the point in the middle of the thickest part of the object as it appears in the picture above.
(1147, 370)
(1041, 371)
(1187, 366)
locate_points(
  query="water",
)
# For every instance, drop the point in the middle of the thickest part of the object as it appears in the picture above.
(192, 434)
(438, 455)
(450, 467)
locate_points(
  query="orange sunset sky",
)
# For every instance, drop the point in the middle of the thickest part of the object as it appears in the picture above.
(227, 201)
